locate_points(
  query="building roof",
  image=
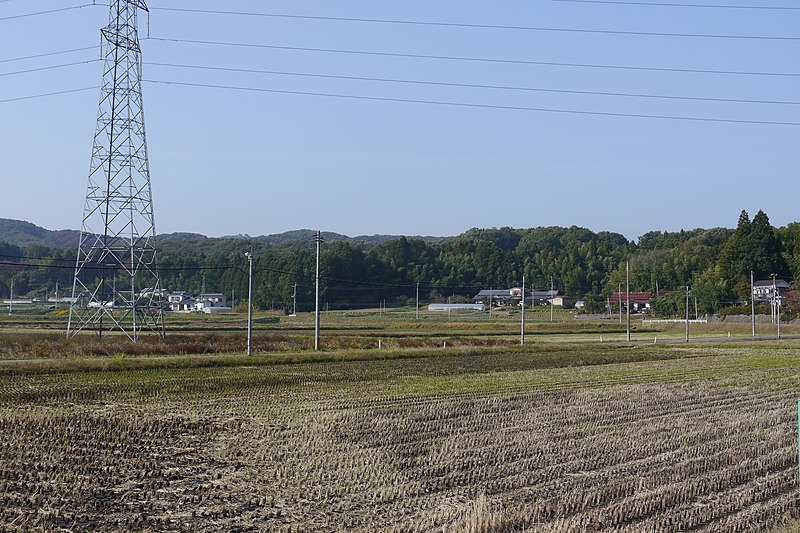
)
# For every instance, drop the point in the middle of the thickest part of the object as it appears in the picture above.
(781, 284)
(635, 297)
(494, 293)
(445, 307)
(542, 295)
(506, 293)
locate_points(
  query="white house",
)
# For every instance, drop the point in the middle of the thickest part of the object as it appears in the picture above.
(213, 300)
(183, 302)
(180, 301)
(763, 290)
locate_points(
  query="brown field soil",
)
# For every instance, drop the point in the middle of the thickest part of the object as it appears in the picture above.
(670, 438)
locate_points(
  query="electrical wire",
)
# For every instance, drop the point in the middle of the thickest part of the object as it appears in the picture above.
(51, 67)
(33, 262)
(476, 59)
(479, 26)
(473, 85)
(476, 106)
(48, 54)
(49, 11)
(421, 82)
(674, 4)
(295, 274)
(68, 91)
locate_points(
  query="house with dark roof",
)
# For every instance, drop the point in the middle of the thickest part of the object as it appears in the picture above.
(640, 301)
(499, 297)
(764, 290)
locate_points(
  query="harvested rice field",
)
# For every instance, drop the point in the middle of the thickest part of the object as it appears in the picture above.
(670, 438)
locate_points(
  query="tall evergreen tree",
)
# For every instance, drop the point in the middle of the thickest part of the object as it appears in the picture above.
(765, 249)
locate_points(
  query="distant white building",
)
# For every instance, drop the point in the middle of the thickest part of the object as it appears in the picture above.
(501, 297)
(456, 307)
(763, 290)
(561, 301)
(212, 300)
(183, 302)
(180, 301)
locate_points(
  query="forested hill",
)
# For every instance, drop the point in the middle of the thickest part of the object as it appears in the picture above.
(21, 233)
(578, 262)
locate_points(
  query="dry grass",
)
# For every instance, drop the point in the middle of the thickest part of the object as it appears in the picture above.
(459, 444)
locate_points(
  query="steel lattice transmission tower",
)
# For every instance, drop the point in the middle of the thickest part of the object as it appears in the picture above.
(116, 285)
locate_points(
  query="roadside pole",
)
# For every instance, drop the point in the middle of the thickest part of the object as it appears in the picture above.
(687, 313)
(522, 332)
(628, 299)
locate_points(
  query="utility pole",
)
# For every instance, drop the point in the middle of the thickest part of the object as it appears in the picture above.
(752, 304)
(656, 288)
(696, 314)
(318, 241)
(522, 332)
(551, 299)
(417, 299)
(58, 306)
(11, 300)
(619, 297)
(776, 303)
(294, 300)
(773, 297)
(628, 299)
(491, 297)
(687, 313)
(249, 256)
(533, 300)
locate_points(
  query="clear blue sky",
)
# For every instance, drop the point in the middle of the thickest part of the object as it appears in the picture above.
(228, 162)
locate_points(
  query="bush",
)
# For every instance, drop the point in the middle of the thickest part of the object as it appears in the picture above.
(761, 309)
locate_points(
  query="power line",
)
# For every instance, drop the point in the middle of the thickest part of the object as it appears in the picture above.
(51, 67)
(477, 59)
(477, 106)
(481, 26)
(49, 11)
(674, 4)
(47, 94)
(37, 262)
(48, 54)
(473, 85)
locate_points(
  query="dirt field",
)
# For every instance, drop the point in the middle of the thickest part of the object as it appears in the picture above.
(700, 437)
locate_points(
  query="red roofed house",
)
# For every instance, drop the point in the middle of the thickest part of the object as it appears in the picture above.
(639, 300)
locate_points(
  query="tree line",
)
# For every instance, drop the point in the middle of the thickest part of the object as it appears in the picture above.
(715, 263)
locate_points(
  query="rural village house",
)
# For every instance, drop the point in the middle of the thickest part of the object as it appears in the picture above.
(763, 291)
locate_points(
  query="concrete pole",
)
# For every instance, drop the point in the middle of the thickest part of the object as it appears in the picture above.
(628, 299)
(250, 304)
(318, 240)
(417, 299)
(752, 304)
(687, 313)
(522, 332)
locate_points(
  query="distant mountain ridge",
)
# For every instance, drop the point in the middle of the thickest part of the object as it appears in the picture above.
(22, 233)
